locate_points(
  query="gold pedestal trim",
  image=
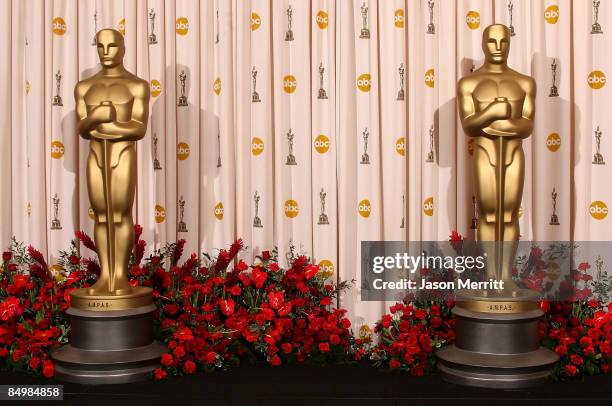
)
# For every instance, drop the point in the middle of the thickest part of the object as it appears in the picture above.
(140, 296)
(499, 307)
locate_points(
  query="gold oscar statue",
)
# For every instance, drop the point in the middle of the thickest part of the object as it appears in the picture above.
(112, 108)
(496, 107)
(497, 344)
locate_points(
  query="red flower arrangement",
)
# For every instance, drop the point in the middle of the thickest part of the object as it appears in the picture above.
(221, 312)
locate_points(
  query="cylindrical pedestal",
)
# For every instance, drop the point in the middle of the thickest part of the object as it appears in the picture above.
(496, 350)
(109, 347)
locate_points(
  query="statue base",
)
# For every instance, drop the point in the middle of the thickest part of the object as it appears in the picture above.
(497, 349)
(109, 347)
(138, 297)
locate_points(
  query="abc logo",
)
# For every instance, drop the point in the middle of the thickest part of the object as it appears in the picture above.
(400, 146)
(521, 211)
(430, 78)
(219, 211)
(29, 209)
(91, 213)
(160, 213)
(57, 149)
(217, 86)
(326, 268)
(321, 144)
(322, 19)
(27, 87)
(473, 19)
(182, 151)
(470, 146)
(182, 26)
(553, 142)
(551, 14)
(364, 82)
(121, 26)
(598, 210)
(257, 146)
(291, 208)
(597, 79)
(255, 21)
(289, 83)
(365, 333)
(398, 18)
(553, 271)
(428, 206)
(58, 26)
(155, 88)
(365, 208)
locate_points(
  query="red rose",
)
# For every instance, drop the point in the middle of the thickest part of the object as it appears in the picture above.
(386, 321)
(570, 370)
(420, 314)
(6, 256)
(265, 255)
(235, 290)
(324, 347)
(576, 359)
(179, 351)
(210, 357)
(273, 267)
(561, 350)
(189, 367)
(259, 277)
(227, 306)
(334, 339)
(326, 301)
(286, 347)
(311, 271)
(34, 363)
(276, 299)
(160, 373)
(275, 360)
(48, 369)
(167, 359)
(183, 334)
(394, 364)
(74, 260)
(345, 323)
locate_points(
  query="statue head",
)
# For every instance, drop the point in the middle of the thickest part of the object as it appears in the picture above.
(496, 43)
(111, 47)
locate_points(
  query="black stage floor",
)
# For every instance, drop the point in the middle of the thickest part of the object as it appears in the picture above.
(313, 385)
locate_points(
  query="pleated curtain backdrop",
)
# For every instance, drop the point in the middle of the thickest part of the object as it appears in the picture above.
(309, 125)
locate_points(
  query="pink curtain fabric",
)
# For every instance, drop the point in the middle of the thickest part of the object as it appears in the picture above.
(309, 125)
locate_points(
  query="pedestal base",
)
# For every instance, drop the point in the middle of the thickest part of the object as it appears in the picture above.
(496, 350)
(109, 347)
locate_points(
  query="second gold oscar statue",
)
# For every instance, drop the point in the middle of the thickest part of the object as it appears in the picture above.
(111, 322)
(497, 342)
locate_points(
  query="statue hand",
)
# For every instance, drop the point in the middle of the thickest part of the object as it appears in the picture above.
(104, 113)
(500, 110)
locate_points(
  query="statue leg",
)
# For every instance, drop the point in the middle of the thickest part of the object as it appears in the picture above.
(485, 187)
(513, 194)
(96, 199)
(123, 190)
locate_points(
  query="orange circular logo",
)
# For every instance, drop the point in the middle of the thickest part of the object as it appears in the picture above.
(57, 149)
(473, 19)
(428, 206)
(121, 26)
(289, 83)
(326, 268)
(58, 26)
(156, 88)
(398, 18)
(160, 213)
(291, 208)
(182, 26)
(91, 213)
(364, 208)
(182, 151)
(322, 19)
(598, 210)
(551, 14)
(219, 211)
(553, 142)
(321, 144)
(257, 146)
(430, 78)
(255, 21)
(217, 86)
(400, 146)
(597, 79)
(364, 82)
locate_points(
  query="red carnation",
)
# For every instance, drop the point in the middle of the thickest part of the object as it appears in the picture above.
(324, 347)
(259, 277)
(48, 369)
(311, 271)
(394, 364)
(570, 370)
(227, 306)
(167, 359)
(189, 367)
(6, 256)
(210, 357)
(276, 299)
(10, 308)
(183, 334)
(160, 373)
(275, 360)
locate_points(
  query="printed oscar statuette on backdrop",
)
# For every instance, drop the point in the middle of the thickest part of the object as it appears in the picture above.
(365, 31)
(497, 343)
(111, 322)
(256, 219)
(598, 158)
